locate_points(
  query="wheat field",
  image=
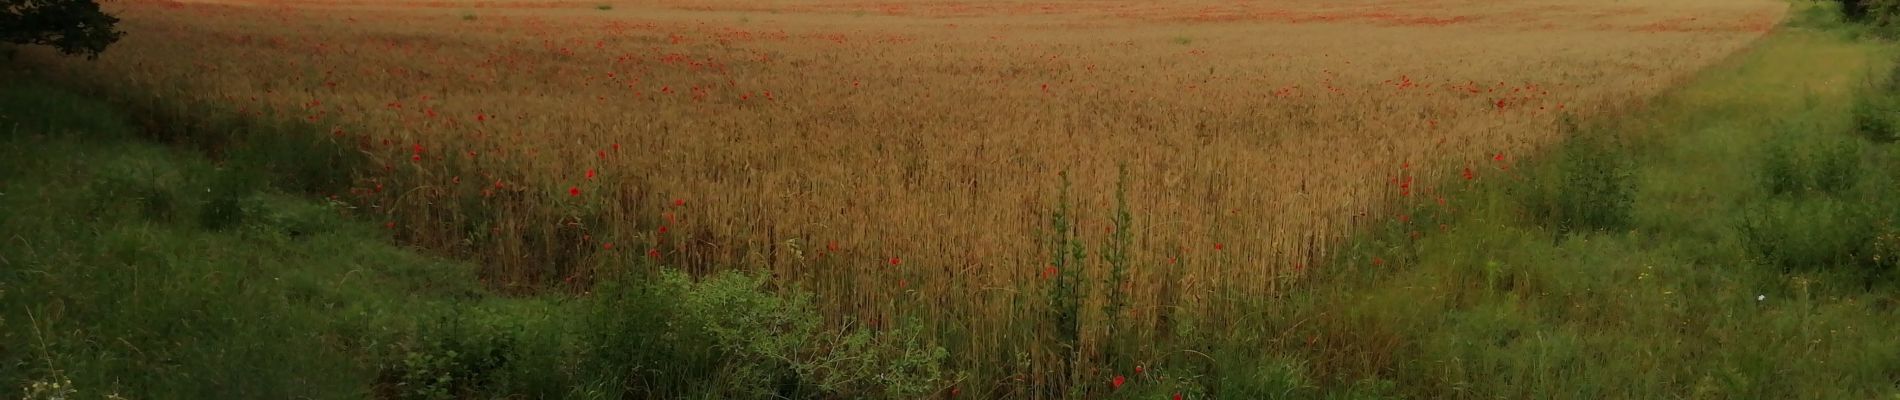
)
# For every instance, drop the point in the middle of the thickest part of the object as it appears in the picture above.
(909, 158)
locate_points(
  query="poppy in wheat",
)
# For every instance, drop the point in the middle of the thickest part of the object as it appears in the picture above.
(1117, 382)
(1468, 175)
(590, 174)
(895, 261)
(654, 253)
(574, 191)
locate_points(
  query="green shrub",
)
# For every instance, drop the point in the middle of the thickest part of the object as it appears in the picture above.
(1781, 170)
(452, 358)
(1836, 167)
(1820, 234)
(1791, 165)
(1593, 188)
(1880, 13)
(75, 27)
(726, 336)
(223, 207)
(1877, 117)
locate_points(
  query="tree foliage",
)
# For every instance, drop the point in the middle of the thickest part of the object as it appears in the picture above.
(1880, 13)
(75, 27)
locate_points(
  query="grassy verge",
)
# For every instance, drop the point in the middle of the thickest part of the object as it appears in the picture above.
(133, 270)
(1735, 240)
(128, 268)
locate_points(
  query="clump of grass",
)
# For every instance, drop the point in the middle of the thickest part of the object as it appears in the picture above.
(1183, 40)
(1591, 188)
(1810, 162)
(1877, 117)
(468, 16)
(604, 7)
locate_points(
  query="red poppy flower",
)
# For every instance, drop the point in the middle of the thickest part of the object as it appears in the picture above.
(608, 246)
(1117, 382)
(590, 174)
(895, 261)
(1177, 396)
(1468, 175)
(679, 202)
(662, 230)
(574, 191)
(654, 253)
(1219, 247)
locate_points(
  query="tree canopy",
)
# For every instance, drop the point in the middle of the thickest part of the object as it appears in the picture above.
(75, 27)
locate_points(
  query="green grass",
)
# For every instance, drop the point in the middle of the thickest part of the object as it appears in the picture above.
(1690, 296)
(123, 268)
(133, 269)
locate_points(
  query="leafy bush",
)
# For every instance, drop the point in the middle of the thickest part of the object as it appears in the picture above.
(453, 358)
(75, 27)
(726, 336)
(1883, 14)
